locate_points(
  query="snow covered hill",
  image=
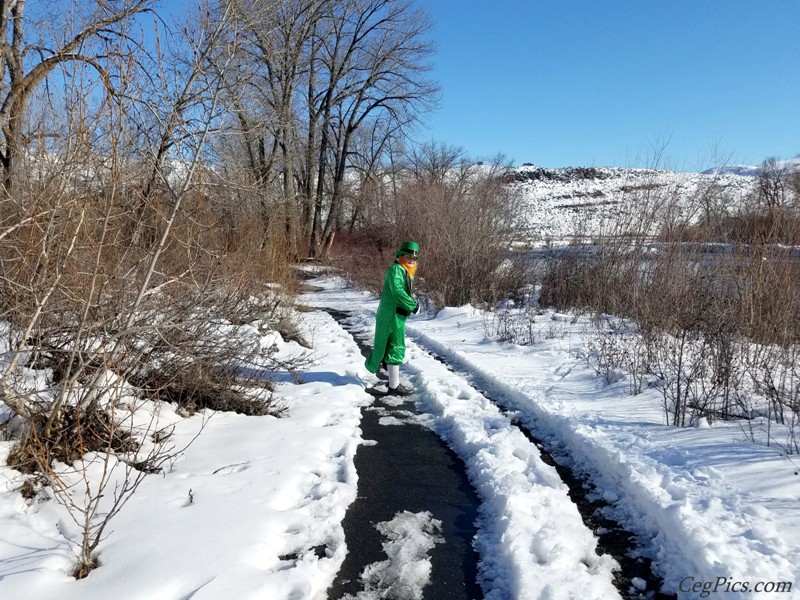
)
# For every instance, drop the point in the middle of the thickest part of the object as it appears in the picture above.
(557, 204)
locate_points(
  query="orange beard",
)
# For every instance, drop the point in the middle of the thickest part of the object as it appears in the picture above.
(411, 269)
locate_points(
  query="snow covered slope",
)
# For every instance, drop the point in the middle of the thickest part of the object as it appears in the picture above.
(558, 203)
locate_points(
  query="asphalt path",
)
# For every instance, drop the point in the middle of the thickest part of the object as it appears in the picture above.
(410, 469)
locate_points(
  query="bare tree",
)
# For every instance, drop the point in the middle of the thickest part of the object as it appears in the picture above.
(21, 77)
(771, 185)
(93, 314)
(263, 95)
(433, 162)
(325, 71)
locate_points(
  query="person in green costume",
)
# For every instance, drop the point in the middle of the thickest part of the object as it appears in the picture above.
(395, 306)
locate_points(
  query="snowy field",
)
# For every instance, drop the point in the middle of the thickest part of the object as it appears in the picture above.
(252, 508)
(718, 514)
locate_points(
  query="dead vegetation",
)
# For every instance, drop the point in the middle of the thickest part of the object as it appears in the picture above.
(715, 301)
(461, 213)
(136, 268)
(79, 432)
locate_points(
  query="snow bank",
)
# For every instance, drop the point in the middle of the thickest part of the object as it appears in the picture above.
(707, 503)
(252, 508)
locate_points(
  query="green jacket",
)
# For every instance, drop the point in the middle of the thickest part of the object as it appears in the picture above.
(390, 324)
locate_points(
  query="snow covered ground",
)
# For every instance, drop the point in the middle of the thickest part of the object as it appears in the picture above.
(253, 507)
(718, 514)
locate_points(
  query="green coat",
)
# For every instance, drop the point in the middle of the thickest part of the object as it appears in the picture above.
(390, 325)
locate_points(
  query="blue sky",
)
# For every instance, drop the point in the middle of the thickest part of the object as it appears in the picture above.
(612, 82)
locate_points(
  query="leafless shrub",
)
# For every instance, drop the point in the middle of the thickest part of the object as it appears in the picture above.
(364, 257)
(514, 325)
(464, 218)
(604, 355)
(79, 432)
(91, 461)
(616, 353)
(199, 387)
(715, 283)
(555, 329)
(464, 225)
(689, 316)
(775, 374)
(563, 283)
(680, 366)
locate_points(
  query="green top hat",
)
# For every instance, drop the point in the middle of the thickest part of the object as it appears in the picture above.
(411, 248)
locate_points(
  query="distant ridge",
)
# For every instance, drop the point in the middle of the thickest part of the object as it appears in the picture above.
(792, 164)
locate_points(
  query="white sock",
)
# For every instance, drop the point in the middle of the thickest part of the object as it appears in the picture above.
(394, 375)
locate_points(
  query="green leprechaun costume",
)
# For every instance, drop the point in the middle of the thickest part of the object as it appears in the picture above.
(395, 306)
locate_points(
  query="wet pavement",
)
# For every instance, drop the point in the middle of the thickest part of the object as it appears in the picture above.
(409, 469)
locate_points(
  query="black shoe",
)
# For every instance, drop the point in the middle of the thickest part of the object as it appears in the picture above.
(400, 390)
(382, 372)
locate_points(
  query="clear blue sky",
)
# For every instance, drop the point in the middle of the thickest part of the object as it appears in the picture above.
(603, 82)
